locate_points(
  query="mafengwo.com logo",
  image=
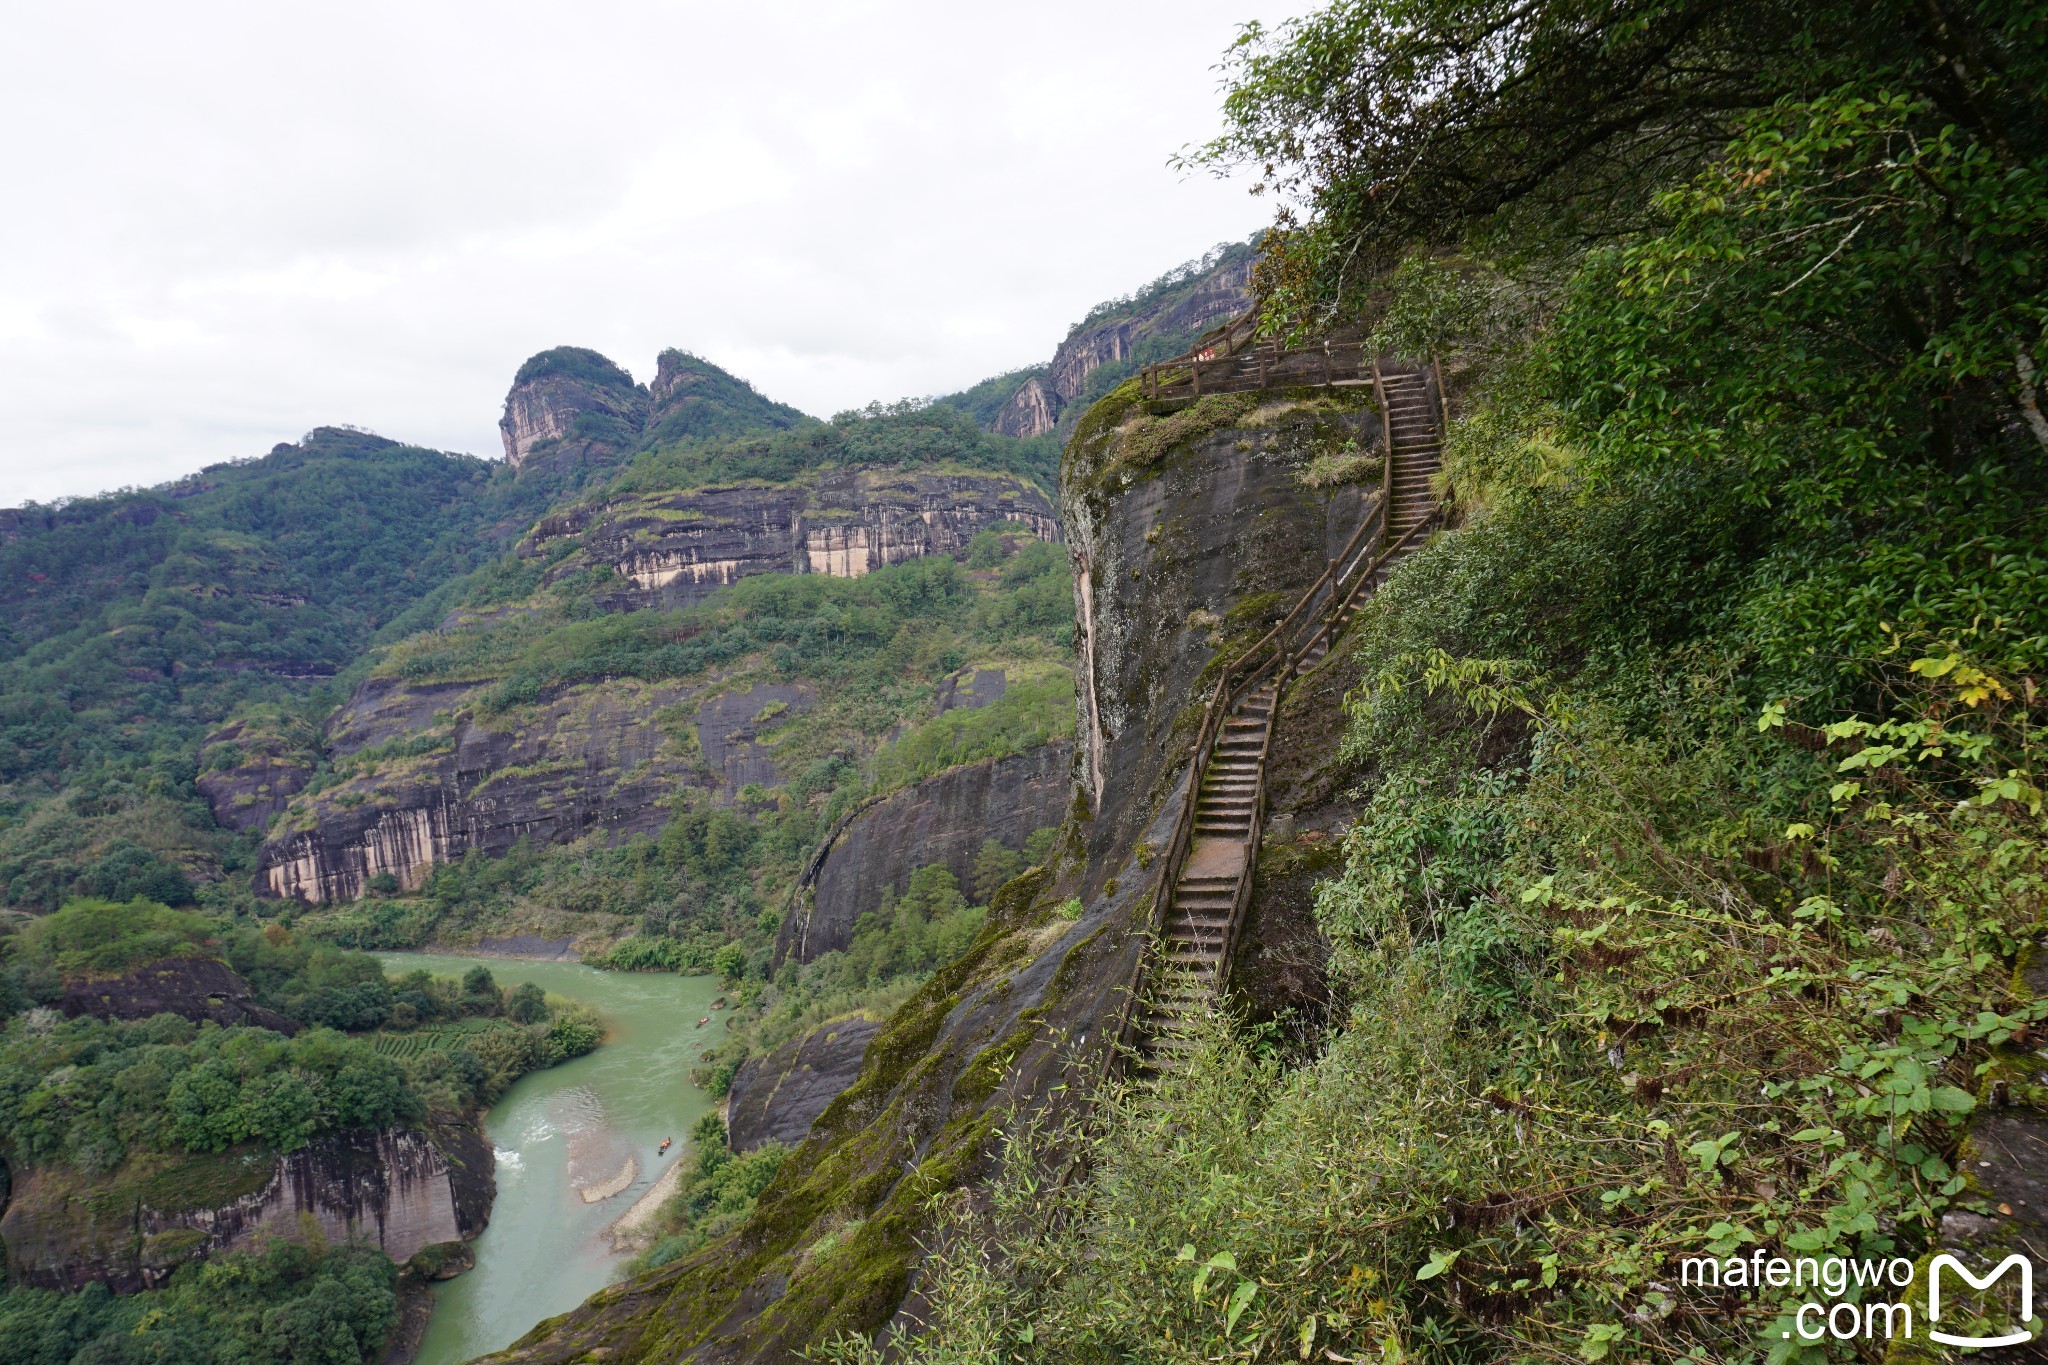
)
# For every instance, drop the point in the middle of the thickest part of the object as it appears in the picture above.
(1853, 1299)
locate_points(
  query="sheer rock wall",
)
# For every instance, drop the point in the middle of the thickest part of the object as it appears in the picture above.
(674, 548)
(398, 1189)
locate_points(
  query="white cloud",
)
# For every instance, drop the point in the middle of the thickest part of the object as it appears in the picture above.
(233, 222)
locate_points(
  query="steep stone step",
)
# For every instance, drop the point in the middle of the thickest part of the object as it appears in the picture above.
(1199, 920)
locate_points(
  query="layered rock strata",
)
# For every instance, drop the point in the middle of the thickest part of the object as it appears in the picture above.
(400, 1190)
(672, 549)
(584, 760)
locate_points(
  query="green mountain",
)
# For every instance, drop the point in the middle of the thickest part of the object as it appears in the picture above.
(136, 621)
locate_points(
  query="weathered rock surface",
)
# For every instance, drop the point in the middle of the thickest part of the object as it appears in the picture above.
(584, 760)
(571, 406)
(398, 1189)
(1007, 1026)
(195, 988)
(1033, 410)
(943, 819)
(672, 549)
(778, 1097)
(1217, 296)
(1178, 315)
(1178, 564)
(729, 728)
(262, 773)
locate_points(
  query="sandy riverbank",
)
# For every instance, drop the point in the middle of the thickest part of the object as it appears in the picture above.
(635, 1228)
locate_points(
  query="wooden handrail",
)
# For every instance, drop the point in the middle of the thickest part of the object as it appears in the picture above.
(1251, 666)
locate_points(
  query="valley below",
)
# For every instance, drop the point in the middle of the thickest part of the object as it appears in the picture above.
(576, 1148)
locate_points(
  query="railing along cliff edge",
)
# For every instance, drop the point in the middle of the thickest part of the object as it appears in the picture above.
(1238, 677)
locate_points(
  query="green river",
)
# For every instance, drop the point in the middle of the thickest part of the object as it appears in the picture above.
(572, 1127)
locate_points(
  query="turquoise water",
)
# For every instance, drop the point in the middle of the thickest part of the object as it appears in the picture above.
(546, 1250)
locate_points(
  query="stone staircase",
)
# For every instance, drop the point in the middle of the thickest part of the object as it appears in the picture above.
(1415, 461)
(1211, 885)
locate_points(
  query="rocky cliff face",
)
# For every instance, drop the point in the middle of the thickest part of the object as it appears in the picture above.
(438, 781)
(1188, 530)
(1033, 410)
(571, 406)
(195, 988)
(1212, 298)
(586, 759)
(1170, 315)
(943, 819)
(251, 772)
(778, 1097)
(671, 549)
(398, 1189)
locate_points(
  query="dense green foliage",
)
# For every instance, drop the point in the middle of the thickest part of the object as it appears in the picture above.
(1701, 825)
(983, 401)
(702, 400)
(135, 621)
(893, 949)
(87, 1093)
(910, 434)
(286, 1304)
(579, 363)
(91, 936)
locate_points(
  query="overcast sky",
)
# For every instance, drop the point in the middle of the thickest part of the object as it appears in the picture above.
(231, 223)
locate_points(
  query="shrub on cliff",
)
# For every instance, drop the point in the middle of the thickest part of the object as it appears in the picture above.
(99, 937)
(88, 1093)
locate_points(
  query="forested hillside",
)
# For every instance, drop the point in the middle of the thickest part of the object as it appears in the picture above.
(136, 621)
(1698, 828)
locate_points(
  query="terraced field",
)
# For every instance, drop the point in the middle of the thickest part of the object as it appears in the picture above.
(436, 1038)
